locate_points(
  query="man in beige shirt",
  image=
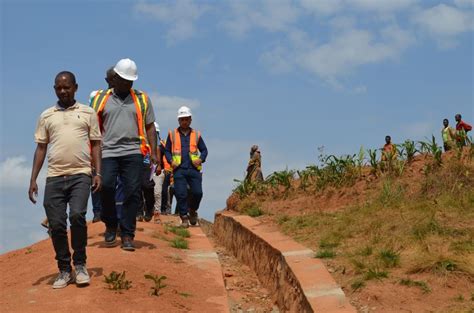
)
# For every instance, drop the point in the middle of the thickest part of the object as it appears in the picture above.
(71, 130)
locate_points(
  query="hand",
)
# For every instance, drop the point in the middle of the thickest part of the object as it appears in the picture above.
(158, 170)
(153, 158)
(33, 191)
(174, 165)
(197, 162)
(96, 183)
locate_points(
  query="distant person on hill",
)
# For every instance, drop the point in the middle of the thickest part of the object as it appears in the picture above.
(462, 128)
(254, 167)
(389, 153)
(449, 135)
(72, 132)
(186, 151)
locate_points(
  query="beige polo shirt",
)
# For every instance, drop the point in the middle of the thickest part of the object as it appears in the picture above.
(68, 133)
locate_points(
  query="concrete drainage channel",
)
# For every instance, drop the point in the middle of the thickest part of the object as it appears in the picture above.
(295, 279)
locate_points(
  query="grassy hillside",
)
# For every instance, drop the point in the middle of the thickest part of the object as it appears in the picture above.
(399, 231)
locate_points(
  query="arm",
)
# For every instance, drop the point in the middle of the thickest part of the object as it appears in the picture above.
(203, 149)
(168, 155)
(40, 154)
(96, 160)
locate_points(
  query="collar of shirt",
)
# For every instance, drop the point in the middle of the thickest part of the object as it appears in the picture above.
(57, 107)
(182, 133)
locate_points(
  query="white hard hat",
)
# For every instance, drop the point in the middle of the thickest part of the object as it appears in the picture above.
(157, 126)
(184, 112)
(127, 69)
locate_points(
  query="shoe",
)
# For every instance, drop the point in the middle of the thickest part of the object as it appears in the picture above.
(110, 236)
(96, 218)
(64, 278)
(127, 244)
(148, 217)
(140, 218)
(82, 276)
(193, 217)
(184, 222)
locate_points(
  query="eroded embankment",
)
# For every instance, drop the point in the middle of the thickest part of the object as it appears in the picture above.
(296, 280)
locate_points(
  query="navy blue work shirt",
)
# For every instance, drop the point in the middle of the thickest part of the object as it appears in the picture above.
(185, 158)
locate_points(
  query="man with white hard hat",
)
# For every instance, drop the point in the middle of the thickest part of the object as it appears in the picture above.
(127, 121)
(186, 151)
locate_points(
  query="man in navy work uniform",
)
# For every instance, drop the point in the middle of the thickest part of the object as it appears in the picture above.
(186, 151)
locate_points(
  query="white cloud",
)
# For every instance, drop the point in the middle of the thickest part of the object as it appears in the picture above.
(166, 109)
(343, 53)
(270, 15)
(15, 172)
(445, 22)
(180, 16)
(382, 5)
(323, 7)
(464, 3)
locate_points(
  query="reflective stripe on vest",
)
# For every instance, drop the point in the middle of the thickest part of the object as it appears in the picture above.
(141, 105)
(176, 146)
(166, 164)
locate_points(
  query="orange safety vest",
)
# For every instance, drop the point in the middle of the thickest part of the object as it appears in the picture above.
(176, 146)
(166, 164)
(141, 105)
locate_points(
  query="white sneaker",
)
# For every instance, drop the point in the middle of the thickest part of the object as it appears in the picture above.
(82, 276)
(63, 279)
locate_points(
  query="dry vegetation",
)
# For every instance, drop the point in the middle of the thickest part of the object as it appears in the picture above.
(409, 229)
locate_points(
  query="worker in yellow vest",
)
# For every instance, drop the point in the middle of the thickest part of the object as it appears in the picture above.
(185, 150)
(126, 119)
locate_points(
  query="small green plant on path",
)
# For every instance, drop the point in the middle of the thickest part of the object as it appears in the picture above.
(184, 294)
(182, 232)
(179, 243)
(117, 281)
(158, 283)
(416, 283)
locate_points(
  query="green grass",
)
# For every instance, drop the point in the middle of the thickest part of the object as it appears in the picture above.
(179, 243)
(184, 294)
(357, 284)
(390, 258)
(182, 232)
(325, 254)
(253, 211)
(416, 283)
(375, 273)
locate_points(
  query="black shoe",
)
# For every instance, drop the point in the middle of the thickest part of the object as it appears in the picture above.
(193, 217)
(96, 218)
(148, 217)
(127, 244)
(140, 218)
(110, 236)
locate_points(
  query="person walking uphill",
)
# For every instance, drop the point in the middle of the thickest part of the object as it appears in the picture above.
(448, 134)
(186, 151)
(71, 131)
(126, 118)
(462, 128)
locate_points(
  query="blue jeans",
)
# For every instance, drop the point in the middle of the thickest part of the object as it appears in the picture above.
(59, 192)
(130, 168)
(182, 179)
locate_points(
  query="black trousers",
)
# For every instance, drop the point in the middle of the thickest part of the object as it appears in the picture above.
(59, 192)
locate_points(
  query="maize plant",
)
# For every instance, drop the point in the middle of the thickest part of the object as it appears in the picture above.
(307, 176)
(282, 178)
(374, 164)
(409, 150)
(431, 147)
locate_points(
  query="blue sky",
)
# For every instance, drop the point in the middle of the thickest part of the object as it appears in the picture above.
(288, 75)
